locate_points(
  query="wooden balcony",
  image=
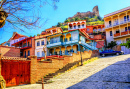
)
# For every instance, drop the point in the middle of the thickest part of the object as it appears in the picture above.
(117, 34)
(124, 33)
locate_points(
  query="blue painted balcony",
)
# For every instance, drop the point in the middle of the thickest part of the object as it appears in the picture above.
(49, 45)
(116, 23)
(109, 26)
(70, 42)
(125, 21)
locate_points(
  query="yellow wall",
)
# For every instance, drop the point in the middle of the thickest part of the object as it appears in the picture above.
(67, 36)
(121, 17)
(63, 49)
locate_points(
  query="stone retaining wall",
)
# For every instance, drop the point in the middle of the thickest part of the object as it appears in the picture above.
(41, 68)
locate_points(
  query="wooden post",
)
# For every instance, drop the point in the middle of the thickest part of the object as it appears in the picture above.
(0, 62)
(42, 83)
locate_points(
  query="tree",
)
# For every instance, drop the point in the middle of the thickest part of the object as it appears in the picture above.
(59, 24)
(72, 20)
(16, 12)
(127, 44)
(67, 20)
(112, 44)
(87, 19)
(77, 19)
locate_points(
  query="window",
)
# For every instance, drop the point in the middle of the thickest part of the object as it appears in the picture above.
(38, 54)
(127, 17)
(38, 43)
(21, 53)
(70, 39)
(78, 26)
(74, 26)
(117, 31)
(43, 54)
(125, 28)
(129, 28)
(28, 52)
(82, 25)
(109, 23)
(42, 43)
(88, 29)
(110, 33)
(124, 18)
(66, 39)
(28, 43)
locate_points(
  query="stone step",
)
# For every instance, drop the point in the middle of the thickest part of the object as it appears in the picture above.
(48, 77)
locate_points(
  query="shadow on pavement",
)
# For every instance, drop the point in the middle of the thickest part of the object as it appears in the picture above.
(115, 76)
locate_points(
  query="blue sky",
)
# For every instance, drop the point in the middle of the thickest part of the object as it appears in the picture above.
(66, 8)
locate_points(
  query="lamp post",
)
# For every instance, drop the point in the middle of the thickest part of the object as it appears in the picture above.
(80, 53)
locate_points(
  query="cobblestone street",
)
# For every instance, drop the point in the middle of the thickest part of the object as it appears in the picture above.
(105, 73)
(112, 72)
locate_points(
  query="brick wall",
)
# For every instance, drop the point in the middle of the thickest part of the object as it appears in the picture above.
(40, 69)
(117, 48)
(9, 51)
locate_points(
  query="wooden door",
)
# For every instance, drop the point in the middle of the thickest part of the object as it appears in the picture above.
(16, 72)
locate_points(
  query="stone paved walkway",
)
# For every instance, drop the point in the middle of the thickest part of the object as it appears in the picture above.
(104, 73)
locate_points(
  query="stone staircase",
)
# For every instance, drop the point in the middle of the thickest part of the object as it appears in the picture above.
(65, 68)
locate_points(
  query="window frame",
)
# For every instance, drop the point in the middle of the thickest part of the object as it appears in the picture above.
(111, 33)
(42, 42)
(38, 42)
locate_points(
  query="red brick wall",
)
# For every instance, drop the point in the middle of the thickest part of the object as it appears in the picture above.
(9, 51)
(41, 69)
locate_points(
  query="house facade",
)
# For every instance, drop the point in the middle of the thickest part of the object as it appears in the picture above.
(69, 42)
(26, 45)
(117, 26)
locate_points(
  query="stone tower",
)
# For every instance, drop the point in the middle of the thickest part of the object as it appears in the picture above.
(96, 11)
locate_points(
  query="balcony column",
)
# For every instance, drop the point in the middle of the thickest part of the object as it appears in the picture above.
(71, 36)
(54, 51)
(65, 39)
(112, 27)
(65, 50)
(119, 24)
(71, 48)
(60, 51)
(78, 47)
(127, 24)
(48, 52)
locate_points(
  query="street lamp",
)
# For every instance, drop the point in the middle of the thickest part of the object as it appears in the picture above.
(80, 53)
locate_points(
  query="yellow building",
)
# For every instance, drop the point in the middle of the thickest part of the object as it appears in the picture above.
(117, 26)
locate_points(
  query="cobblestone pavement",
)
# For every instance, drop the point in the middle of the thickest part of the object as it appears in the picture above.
(104, 73)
